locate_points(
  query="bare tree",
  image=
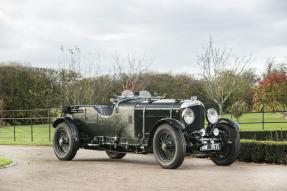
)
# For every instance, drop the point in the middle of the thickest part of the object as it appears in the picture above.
(77, 72)
(220, 71)
(273, 66)
(269, 66)
(130, 71)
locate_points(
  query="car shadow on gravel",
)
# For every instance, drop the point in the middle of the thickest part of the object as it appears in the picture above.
(127, 161)
(144, 162)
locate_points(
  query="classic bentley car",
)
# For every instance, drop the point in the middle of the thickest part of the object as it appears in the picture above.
(142, 124)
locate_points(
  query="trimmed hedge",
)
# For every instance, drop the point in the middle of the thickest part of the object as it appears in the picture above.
(264, 135)
(263, 151)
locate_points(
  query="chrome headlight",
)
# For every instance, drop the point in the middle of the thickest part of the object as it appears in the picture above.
(212, 115)
(188, 116)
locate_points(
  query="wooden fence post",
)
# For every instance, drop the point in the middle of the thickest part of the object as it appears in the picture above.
(14, 126)
(49, 121)
(31, 125)
(263, 117)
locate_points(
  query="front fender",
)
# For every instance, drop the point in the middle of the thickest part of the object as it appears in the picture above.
(172, 122)
(231, 123)
(71, 124)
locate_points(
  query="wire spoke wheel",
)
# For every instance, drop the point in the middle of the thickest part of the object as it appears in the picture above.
(169, 146)
(166, 146)
(230, 146)
(226, 147)
(115, 155)
(64, 143)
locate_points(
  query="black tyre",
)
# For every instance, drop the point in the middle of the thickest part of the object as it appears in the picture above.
(230, 148)
(64, 144)
(169, 146)
(115, 155)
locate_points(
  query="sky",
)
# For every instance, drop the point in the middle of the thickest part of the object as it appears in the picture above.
(170, 33)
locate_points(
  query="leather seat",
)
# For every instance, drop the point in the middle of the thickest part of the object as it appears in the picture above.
(106, 110)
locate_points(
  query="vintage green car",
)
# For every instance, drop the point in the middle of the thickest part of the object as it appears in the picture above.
(142, 124)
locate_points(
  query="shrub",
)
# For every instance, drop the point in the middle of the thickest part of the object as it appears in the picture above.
(263, 151)
(238, 108)
(264, 135)
(270, 94)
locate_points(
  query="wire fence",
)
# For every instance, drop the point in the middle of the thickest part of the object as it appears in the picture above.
(28, 125)
(35, 125)
(262, 120)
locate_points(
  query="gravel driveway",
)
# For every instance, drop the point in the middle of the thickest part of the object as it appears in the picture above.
(38, 169)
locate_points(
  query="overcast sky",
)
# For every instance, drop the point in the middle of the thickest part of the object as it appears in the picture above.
(171, 33)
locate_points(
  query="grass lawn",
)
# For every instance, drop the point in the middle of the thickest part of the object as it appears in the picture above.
(4, 161)
(257, 117)
(41, 132)
(23, 135)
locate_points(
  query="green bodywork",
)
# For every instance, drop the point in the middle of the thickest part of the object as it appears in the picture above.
(120, 123)
(130, 122)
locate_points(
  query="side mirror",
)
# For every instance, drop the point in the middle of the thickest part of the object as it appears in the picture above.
(112, 100)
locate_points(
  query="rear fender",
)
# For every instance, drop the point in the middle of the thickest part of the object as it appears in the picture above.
(71, 124)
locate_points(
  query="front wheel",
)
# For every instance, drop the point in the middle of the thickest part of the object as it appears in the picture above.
(64, 145)
(169, 146)
(115, 155)
(230, 146)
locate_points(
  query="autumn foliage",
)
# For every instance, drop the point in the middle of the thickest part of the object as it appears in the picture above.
(271, 92)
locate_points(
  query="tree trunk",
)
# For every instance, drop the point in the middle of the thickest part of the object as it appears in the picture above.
(220, 107)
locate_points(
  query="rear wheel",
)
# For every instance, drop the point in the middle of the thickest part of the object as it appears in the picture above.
(169, 146)
(230, 146)
(64, 144)
(115, 155)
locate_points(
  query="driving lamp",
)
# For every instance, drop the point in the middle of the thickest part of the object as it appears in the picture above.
(215, 132)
